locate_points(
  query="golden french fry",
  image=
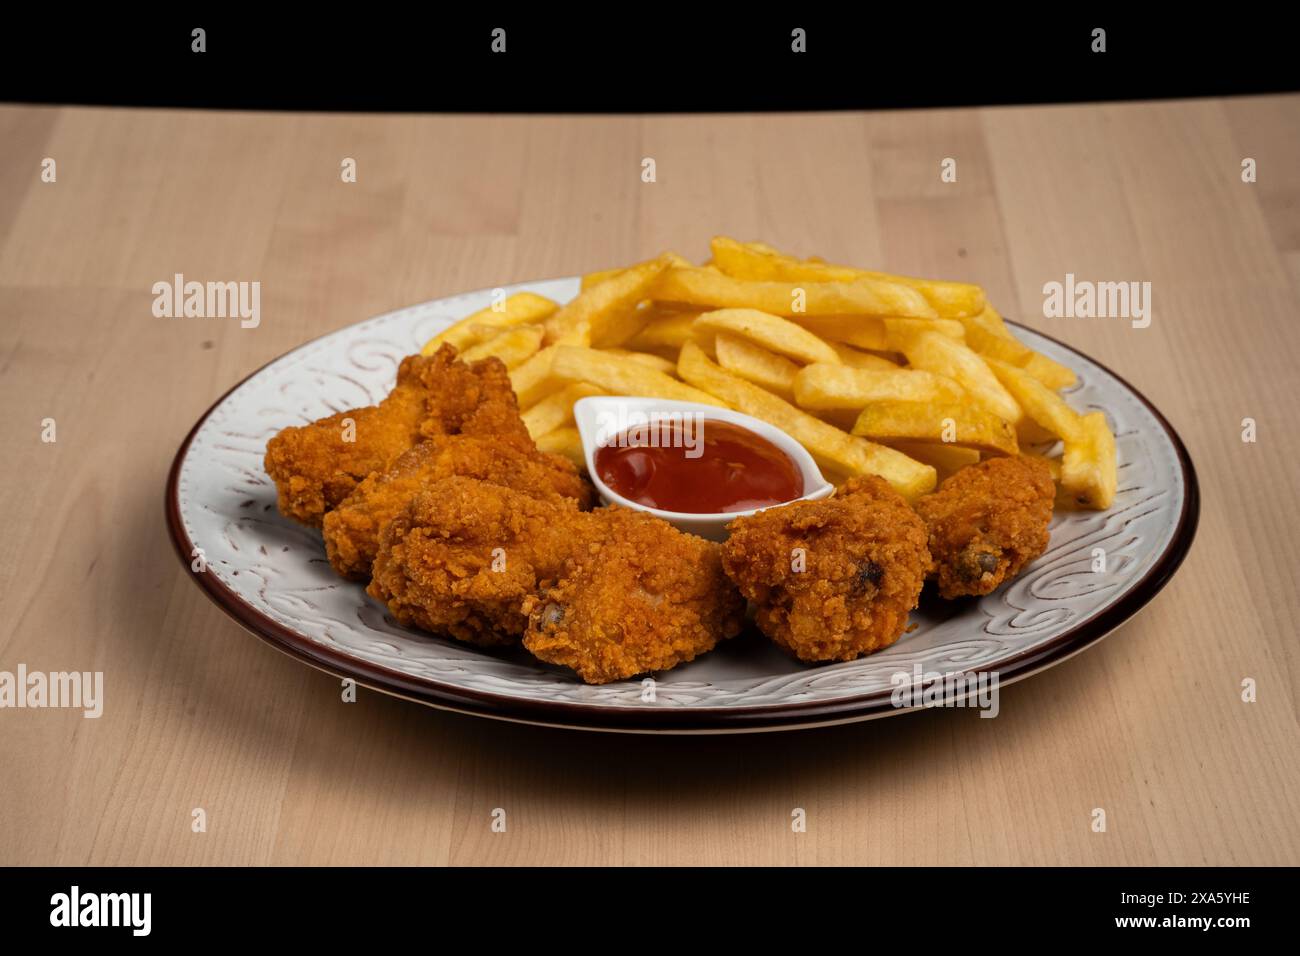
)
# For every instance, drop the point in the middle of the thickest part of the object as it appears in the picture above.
(648, 359)
(934, 352)
(665, 329)
(1052, 374)
(512, 346)
(946, 459)
(704, 287)
(856, 358)
(596, 278)
(951, 423)
(759, 261)
(981, 336)
(754, 260)
(820, 387)
(1089, 468)
(1029, 432)
(556, 410)
(564, 441)
(950, 299)
(771, 332)
(531, 380)
(988, 335)
(606, 314)
(898, 331)
(991, 321)
(875, 333)
(831, 447)
(860, 331)
(756, 364)
(1039, 402)
(621, 376)
(519, 309)
(1053, 464)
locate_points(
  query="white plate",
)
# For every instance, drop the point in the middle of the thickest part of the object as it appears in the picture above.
(271, 574)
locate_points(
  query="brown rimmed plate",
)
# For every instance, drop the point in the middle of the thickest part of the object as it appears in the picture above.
(271, 576)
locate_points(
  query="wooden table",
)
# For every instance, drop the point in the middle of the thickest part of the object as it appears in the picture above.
(1149, 725)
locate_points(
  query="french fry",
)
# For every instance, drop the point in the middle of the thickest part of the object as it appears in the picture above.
(564, 441)
(556, 410)
(861, 297)
(987, 334)
(991, 320)
(951, 423)
(1052, 374)
(1089, 468)
(818, 387)
(606, 314)
(596, 278)
(753, 260)
(665, 329)
(834, 449)
(1053, 464)
(938, 353)
(856, 358)
(982, 337)
(898, 331)
(946, 459)
(776, 373)
(759, 261)
(621, 376)
(874, 333)
(1029, 432)
(859, 331)
(513, 346)
(531, 380)
(771, 332)
(519, 309)
(648, 359)
(1040, 403)
(950, 299)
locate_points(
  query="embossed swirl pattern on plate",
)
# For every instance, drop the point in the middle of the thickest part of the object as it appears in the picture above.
(227, 505)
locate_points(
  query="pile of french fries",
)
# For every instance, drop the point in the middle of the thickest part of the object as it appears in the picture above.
(909, 379)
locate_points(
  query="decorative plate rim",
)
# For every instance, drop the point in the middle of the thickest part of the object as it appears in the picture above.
(689, 718)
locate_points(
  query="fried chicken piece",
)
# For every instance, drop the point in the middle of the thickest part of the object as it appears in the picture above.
(352, 529)
(638, 596)
(831, 579)
(608, 593)
(987, 522)
(315, 467)
(464, 555)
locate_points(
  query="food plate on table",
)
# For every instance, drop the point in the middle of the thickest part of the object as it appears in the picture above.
(467, 561)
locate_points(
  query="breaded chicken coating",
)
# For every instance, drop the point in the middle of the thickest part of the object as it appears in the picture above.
(834, 579)
(637, 596)
(316, 466)
(987, 522)
(608, 593)
(352, 529)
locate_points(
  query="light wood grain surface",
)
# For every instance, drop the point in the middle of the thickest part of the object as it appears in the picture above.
(1149, 725)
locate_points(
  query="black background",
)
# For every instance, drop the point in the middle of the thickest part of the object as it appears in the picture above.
(633, 59)
(648, 910)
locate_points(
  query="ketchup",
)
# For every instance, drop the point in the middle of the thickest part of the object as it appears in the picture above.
(699, 466)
